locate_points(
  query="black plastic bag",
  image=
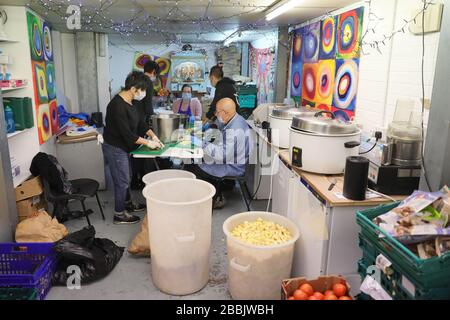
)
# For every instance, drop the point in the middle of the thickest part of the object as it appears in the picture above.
(95, 257)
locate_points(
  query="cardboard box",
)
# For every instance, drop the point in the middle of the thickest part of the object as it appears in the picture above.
(27, 207)
(29, 189)
(320, 284)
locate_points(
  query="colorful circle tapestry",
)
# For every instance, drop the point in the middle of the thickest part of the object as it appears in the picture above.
(310, 42)
(50, 76)
(296, 80)
(309, 81)
(164, 65)
(297, 46)
(344, 115)
(325, 81)
(140, 60)
(349, 34)
(44, 123)
(328, 39)
(40, 81)
(35, 37)
(54, 115)
(346, 84)
(47, 42)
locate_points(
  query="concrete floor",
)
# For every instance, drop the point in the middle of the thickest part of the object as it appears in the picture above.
(131, 278)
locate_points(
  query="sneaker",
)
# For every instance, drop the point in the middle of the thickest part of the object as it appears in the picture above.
(126, 218)
(219, 202)
(132, 207)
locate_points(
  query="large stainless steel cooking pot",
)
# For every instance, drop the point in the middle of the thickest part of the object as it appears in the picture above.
(166, 125)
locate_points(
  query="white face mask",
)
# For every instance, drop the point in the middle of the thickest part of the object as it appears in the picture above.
(220, 120)
(140, 95)
(153, 78)
(186, 96)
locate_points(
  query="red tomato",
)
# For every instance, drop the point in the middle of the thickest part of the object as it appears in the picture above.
(300, 295)
(328, 292)
(339, 290)
(330, 297)
(345, 298)
(291, 298)
(318, 295)
(307, 288)
(312, 298)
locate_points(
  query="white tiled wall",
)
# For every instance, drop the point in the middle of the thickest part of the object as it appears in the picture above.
(396, 73)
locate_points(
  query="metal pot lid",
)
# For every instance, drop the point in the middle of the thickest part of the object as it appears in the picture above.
(323, 125)
(289, 112)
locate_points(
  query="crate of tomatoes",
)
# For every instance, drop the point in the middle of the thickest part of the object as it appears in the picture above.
(322, 288)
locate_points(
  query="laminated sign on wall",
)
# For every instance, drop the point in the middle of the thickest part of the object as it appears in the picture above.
(325, 63)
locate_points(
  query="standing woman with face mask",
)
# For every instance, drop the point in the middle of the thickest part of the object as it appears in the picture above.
(123, 133)
(187, 105)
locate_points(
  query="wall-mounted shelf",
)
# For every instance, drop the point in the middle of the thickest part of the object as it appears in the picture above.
(13, 88)
(8, 40)
(10, 135)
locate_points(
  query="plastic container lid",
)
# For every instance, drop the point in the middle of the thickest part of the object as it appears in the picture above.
(323, 125)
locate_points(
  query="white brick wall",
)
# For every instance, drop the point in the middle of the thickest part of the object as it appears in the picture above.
(396, 73)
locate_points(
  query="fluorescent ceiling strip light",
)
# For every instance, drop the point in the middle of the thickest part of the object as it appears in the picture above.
(282, 9)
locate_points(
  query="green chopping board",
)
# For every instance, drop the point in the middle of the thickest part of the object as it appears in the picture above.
(144, 150)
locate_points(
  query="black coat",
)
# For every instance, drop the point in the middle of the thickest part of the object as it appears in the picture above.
(225, 88)
(49, 169)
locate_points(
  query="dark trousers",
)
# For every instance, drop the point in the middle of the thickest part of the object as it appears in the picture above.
(202, 175)
(119, 165)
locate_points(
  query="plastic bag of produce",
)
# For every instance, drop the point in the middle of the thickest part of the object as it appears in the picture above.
(419, 216)
(141, 245)
(40, 227)
(95, 257)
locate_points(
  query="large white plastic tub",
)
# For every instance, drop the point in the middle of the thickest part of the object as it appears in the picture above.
(256, 272)
(154, 176)
(180, 212)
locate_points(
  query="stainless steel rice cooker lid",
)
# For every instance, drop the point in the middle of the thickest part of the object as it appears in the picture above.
(289, 112)
(323, 125)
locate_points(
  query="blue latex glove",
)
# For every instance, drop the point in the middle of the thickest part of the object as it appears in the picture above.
(206, 126)
(196, 141)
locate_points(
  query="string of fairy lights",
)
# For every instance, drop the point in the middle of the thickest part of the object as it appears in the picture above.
(94, 17)
(375, 20)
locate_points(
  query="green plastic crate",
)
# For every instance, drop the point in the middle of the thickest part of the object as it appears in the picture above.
(395, 285)
(247, 101)
(18, 294)
(22, 110)
(427, 274)
(247, 89)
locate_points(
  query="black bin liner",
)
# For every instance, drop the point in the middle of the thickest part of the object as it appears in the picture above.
(95, 257)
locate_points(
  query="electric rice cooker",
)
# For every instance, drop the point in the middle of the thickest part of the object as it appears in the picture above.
(280, 119)
(321, 144)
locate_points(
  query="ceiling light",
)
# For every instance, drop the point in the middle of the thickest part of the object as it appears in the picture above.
(283, 8)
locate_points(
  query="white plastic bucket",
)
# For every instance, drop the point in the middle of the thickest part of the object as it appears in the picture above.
(255, 272)
(180, 212)
(166, 174)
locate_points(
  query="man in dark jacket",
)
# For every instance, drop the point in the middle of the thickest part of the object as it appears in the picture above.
(145, 106)
(225, 88)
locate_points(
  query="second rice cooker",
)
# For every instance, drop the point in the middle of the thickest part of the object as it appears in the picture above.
(322, 144)
(280, 119)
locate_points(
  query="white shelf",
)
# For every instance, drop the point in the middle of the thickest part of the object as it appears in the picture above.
(13, 88)
(7, 40)
(10, 135)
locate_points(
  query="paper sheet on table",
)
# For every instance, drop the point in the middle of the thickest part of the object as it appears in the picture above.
(372, 288)
(369, 195)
